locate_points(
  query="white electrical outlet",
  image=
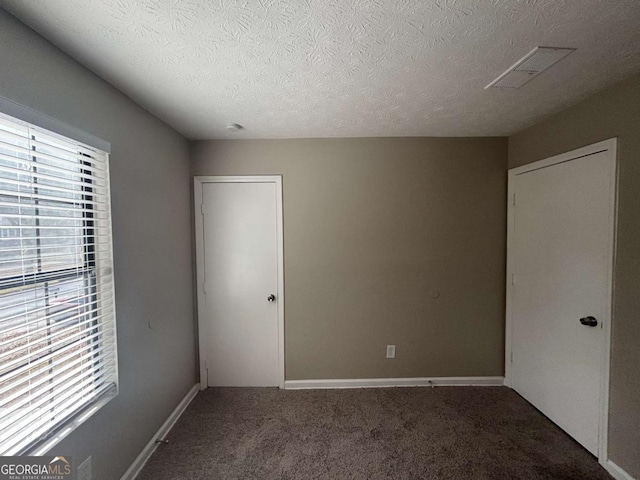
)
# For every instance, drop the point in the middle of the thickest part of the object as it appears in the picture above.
(391, 351)
(84, 470)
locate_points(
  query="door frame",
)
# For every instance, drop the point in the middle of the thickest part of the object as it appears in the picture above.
(609, 146)
(198, 183)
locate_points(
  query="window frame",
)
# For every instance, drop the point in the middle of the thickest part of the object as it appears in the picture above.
(92, 291)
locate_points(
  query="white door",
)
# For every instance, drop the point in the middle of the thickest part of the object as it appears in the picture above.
(239, 330)
(560, 258)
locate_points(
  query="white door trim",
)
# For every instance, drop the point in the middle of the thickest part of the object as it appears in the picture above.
(609, 146)
(198, 183)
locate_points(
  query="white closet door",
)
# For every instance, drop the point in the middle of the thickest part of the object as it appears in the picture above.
(561, 257)
(240, 269)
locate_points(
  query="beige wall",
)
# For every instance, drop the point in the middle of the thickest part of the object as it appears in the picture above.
(615, 112)
(372, 228)
(152, 244)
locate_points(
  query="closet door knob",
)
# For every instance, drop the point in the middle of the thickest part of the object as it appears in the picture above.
(589, 321)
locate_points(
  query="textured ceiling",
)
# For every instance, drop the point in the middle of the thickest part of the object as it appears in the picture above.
(326, 68)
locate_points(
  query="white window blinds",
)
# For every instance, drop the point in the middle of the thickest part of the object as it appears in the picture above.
(57, 313)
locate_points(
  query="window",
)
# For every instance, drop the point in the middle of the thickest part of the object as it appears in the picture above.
(58, 360)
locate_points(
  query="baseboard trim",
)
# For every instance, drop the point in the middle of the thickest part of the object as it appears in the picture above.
(393, 382)
(135, 468)
(616, 472)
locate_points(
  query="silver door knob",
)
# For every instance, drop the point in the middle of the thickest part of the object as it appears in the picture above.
(271, 298)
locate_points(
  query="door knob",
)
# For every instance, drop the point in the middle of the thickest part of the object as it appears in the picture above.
(589, 321)
(271, 298)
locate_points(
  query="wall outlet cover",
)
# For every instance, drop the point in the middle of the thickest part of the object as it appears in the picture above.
(391, 351)
(84, 470)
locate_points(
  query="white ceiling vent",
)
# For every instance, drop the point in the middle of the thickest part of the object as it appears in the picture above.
(529, 66)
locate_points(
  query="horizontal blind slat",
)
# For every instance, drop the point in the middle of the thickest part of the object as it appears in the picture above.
(104, 304)
(29, 280)
(46, 256)
(53, 354)
(65, 411)
(79, 171)
(14, 124)
(88, 325)
(50, 198)
(57, 338)
(35, 178)
(75, 376)
(101, 246)
(60, 321)
(86, 163)
(43, 365)
(22, 204)
(97, 355)
(46, 237)
(97, 217)
(13, 439)
(70, 202)
(9, 137)
(32, 311)
(46, 136)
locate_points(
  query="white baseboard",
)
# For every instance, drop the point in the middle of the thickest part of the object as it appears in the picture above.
(393, 382)
(616, 472)
(133, 471)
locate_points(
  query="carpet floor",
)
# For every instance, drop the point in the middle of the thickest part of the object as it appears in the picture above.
(386, 433)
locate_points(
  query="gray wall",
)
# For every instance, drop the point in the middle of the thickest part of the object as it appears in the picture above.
(615, 112)
(372, 228)
(152, 244)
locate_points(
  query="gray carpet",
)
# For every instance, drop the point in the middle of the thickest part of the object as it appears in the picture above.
(388, 433)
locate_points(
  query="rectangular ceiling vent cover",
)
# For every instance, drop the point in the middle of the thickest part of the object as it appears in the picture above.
(531, 65)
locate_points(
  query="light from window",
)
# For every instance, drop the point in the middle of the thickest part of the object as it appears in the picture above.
(57, 312)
